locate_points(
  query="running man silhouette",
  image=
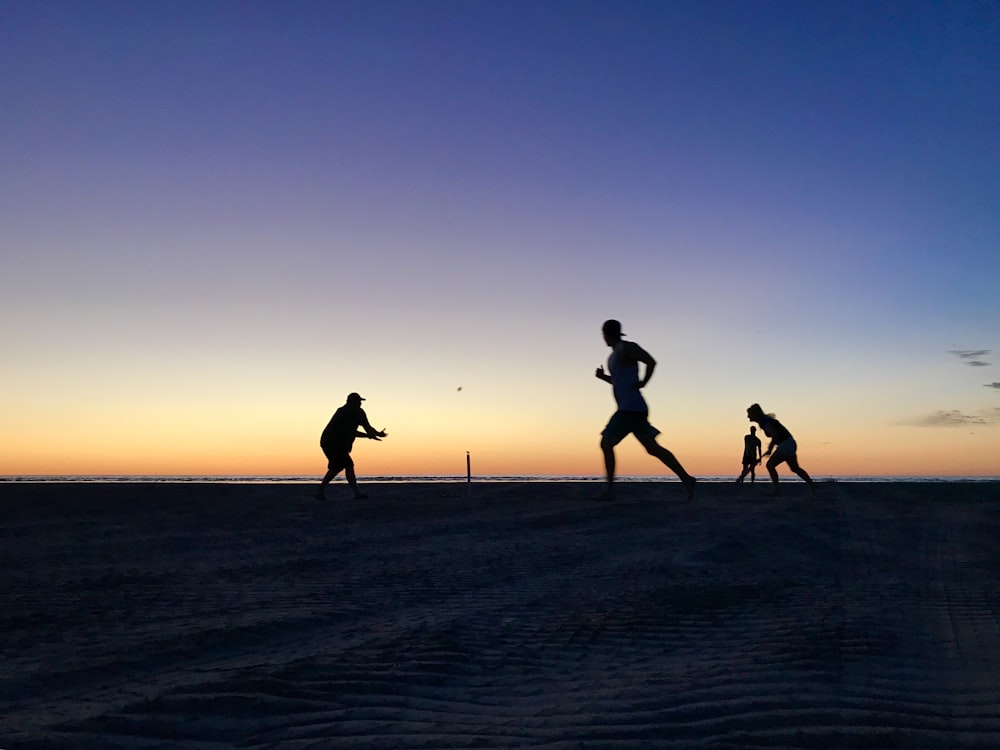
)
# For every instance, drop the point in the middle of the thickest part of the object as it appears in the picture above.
(338, 439)
(632, 415)
(751, 455)
(782, 444)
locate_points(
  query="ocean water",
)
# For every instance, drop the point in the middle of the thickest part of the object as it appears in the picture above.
(302, 479)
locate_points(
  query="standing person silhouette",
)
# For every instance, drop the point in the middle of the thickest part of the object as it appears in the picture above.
(632, 415)
(338, 439)
(751, 455)
(782, 444)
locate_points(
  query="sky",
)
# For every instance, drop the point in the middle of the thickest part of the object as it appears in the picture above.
(217, 219)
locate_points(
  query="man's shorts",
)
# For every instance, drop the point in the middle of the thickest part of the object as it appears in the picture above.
(623, 423)
(338, 456)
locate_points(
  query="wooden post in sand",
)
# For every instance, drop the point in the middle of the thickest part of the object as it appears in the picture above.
(468, 472)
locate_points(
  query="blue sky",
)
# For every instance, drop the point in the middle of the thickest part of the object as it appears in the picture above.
(219, 218)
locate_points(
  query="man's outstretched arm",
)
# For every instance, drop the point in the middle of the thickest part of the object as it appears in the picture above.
(370, 432)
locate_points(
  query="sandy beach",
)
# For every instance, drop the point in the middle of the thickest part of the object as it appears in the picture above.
(528, 615)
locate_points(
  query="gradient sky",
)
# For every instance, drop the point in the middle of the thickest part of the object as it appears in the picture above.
(217, 219)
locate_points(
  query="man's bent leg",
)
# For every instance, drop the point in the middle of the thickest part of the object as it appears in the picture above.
(334, 470)
(669, 460)
(352, 480)
(615, 431)
(608, 449)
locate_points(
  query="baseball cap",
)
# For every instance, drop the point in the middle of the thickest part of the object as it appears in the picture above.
(612, 326)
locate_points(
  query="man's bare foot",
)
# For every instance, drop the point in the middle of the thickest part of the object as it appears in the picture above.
(605, 495)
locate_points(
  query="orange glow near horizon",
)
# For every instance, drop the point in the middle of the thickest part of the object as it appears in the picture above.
(919, 454)
(505, 435)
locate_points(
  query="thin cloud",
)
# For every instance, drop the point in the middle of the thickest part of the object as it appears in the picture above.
(972, 357)
(994, 385)
(952, 418)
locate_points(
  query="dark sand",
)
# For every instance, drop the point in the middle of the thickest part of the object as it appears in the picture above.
(252, 616)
